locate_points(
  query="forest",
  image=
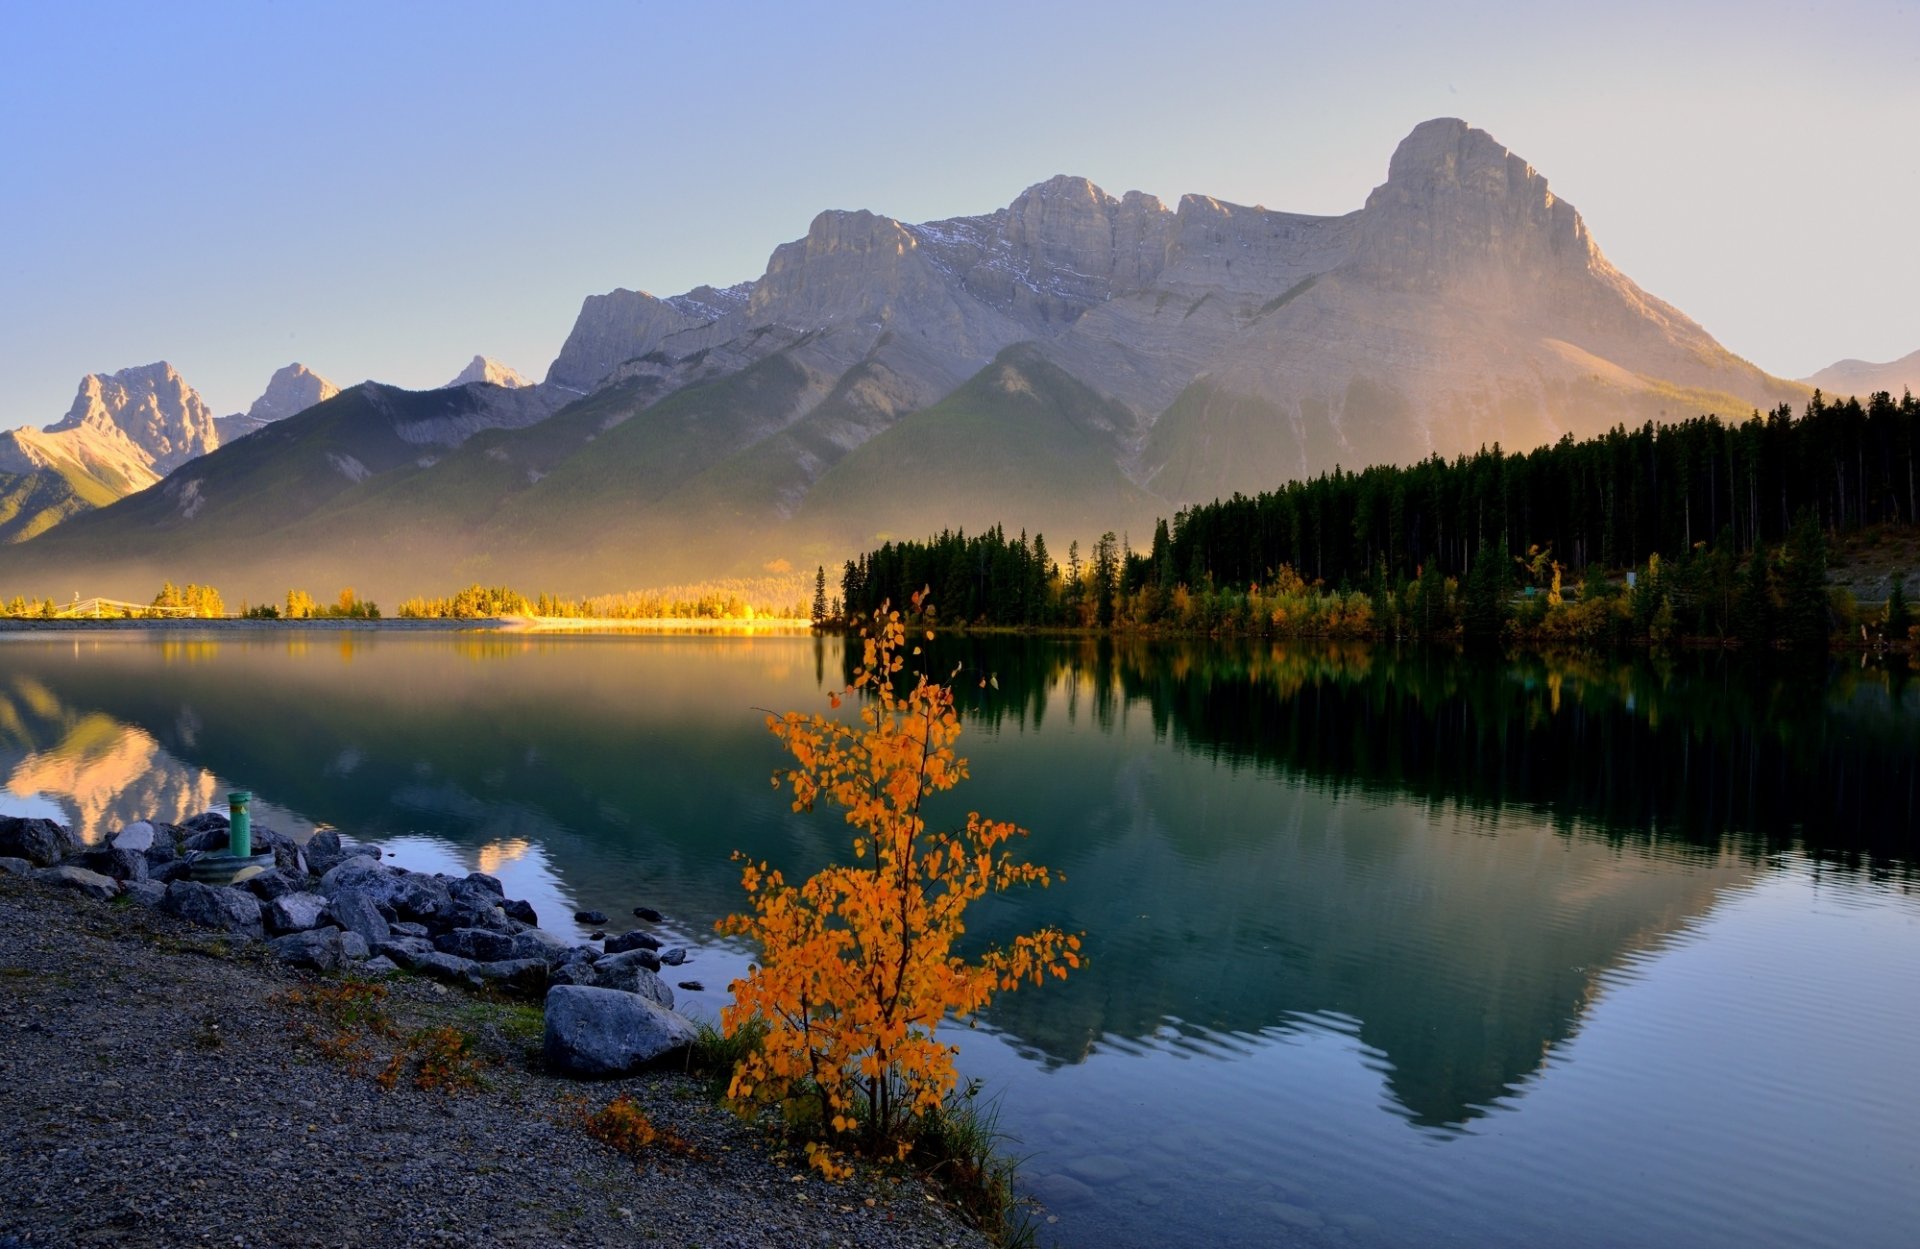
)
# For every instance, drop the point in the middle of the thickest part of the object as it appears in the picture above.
(1703, 528)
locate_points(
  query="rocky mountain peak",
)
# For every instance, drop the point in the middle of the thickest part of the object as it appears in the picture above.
(293, 388)
(152, 405)
(489, 372)
(1458, 209)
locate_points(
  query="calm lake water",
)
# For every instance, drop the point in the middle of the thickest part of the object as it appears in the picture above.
(1387, 949)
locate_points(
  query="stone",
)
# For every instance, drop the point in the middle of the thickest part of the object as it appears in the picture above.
(355, 911)
(212, 906)
(294, 912)
(148, 893)
(166, 843)
(404, 950)
(93, 884)
(693, 986)
(647, 913)
(354, 946)
(17, 867)
(634, 940)
(673, 956)
(275, 883)
(119, 864)
(448, 967)
(412, 895)
(324, 851)
(320, 949)
(633, 972)
(135, 836)
(407, 928)
(526, 975)
(478, 944)
(590, 917)
(40, 842)
(580, 972)
(490, 883)
(540, 944)
(169, 871)
(600, 1033)
(520, 912)
(379, 965)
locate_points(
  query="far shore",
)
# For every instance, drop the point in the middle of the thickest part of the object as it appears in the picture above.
(502, 624)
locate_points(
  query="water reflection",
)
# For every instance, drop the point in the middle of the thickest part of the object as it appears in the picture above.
(1284, 858)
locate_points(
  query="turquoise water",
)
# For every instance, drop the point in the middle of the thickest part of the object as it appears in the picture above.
(1386, 949)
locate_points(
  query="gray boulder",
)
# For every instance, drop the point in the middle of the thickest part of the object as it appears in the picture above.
(520, 912)
(40, 842)
(578, 971)
(632, 973)
(135, 836)
(294, 912)
(379, 965)
(407, 928)
(93, 884)
(16, 867)
(634, 940)
(404, 950)
(673, 956)
(355, 910)
(274, 883)
(490, 883)
(355, 946)
(212, 906)
(321, 949)
(448, 967)
(540, 944)
(478, 944)
(119, 864)
(148, 893)
(526, 975)
(324, 852)
(168, 871)
(208, 821)
(597, 1033)
(410, 894)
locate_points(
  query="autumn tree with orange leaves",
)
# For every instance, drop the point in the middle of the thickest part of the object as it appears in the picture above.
(858, 966)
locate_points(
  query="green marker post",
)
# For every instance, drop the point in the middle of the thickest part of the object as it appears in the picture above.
(239, 825)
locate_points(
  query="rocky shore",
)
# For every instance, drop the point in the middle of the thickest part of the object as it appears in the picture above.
(161, 1082)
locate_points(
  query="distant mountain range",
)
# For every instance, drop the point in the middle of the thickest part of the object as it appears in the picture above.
(1072, 363)
(1858, 377)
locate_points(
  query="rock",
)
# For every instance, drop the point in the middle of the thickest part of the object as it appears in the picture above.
(324, 852)
(449, 967)
(634, 940)
(633, 972)
(211, 906)
(590, 917)
(148, 893)
(168, 872)
(596, 935)
(166, 843)
(404, 950)
(580, 972)
(354, 910)
(318, 948)
(537, 943)
(673, 957)
(520, 912)
(603, 1032)
(647, 913)
(407, 928)
(118, 864)
(379, 965)
(490, 883)
(135, 836)
(205, 839)
(693, 986)
(411, 895)
(16, 867)
(40, 842)
(478, 944)
(294, 912)
(276, 883)
(528, 975)
(204, 822)
(354, 946)
(93, 884)
(286, 851)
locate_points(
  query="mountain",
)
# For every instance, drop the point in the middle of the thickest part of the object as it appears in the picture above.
(1073, 362)
(488, 372)
(293, 388)
(1859, 377)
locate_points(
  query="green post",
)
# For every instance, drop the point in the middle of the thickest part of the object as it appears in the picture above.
(240, 825)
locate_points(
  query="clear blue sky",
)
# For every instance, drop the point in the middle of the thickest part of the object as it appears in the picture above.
(382, 190)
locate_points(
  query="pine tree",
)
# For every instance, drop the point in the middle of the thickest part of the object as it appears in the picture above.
(819, 594)
(1753, 615)
(1899, 616)
(1484, 613)
(1805, 620)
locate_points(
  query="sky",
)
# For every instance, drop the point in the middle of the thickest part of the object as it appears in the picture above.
(383, 191)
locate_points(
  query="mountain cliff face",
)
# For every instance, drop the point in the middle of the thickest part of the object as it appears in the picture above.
(1076, 360)
(292, 389)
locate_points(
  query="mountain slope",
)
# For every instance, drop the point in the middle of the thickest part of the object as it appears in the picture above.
(1860, 377)
(292, 389)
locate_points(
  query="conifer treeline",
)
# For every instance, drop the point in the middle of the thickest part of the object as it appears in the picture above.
(1680, 490)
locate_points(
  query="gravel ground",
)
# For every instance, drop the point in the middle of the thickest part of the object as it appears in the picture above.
(157, 1088)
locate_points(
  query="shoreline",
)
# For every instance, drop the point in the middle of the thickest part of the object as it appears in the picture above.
(518, 625)
(172, 1065)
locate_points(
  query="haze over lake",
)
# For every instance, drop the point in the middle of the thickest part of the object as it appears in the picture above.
(1385, 948)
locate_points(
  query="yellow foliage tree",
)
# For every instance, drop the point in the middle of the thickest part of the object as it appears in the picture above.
(858, 966)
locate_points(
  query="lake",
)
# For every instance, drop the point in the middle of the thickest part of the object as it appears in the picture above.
(1386, 948)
